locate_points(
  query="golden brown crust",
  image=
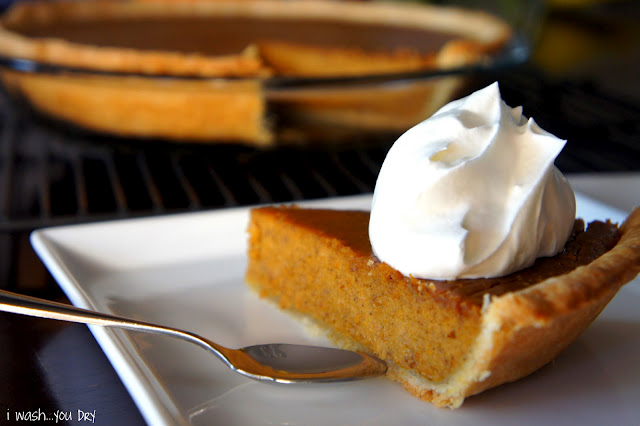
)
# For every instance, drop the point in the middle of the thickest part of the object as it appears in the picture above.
(383, 107)
(517, 331)
(65, 53)
(524, 330)
(487, 32)
(304, 60)
(181, 110)
(530, 327)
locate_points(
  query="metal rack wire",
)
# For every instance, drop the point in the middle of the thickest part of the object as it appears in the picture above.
(52, 175)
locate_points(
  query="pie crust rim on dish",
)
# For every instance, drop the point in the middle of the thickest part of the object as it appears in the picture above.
(474, 32)
(372, 108)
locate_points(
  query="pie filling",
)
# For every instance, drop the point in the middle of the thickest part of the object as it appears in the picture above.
(221, 35)
(320, 263)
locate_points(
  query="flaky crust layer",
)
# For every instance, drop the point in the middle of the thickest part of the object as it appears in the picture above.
(524, 330)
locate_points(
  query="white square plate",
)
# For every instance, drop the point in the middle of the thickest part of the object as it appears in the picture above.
(187, 271)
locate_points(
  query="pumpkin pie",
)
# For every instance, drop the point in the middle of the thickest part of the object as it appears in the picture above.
(443, 340)
(196, 70)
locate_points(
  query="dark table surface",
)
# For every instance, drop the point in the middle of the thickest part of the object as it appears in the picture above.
(580, 84)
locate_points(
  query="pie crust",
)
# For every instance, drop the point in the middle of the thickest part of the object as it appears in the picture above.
(463, 37)
(443, 340)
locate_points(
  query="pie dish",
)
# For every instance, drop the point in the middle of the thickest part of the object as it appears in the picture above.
(443, 340)
(134, 68)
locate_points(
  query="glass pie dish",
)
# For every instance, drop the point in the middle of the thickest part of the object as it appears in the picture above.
(260, 72)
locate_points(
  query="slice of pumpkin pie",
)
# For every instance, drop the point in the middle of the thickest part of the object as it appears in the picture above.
(443, 340)
(471, 269)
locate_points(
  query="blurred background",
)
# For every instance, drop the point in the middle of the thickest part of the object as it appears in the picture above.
(592, 41)
(577, 76)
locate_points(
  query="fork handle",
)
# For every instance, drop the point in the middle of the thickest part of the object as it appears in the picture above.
(41, 308)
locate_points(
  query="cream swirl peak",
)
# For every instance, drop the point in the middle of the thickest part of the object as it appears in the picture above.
(471, 192)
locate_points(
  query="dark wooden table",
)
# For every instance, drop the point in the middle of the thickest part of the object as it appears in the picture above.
(49, 368)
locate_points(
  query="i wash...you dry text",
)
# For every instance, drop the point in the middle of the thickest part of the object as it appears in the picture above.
(55, 416)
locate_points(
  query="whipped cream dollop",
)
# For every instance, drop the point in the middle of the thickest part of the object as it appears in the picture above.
(471, 192)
